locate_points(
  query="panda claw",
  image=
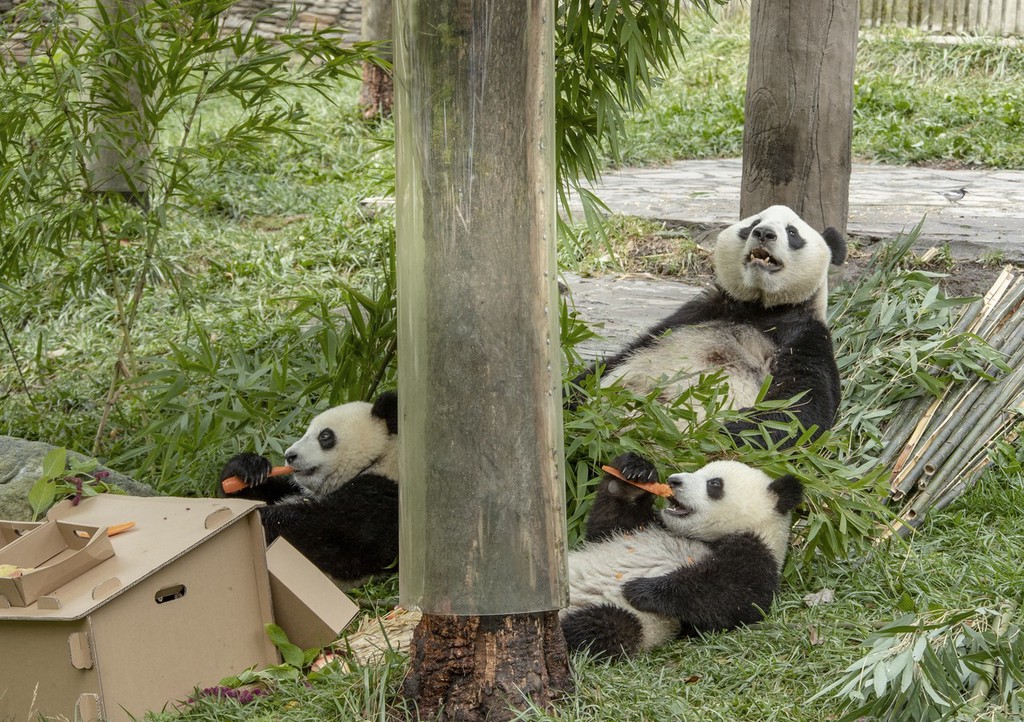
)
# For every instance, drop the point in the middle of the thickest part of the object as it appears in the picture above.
(636, 468)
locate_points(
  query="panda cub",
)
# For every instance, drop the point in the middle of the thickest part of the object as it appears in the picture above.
(340, 505)
(765, 316)
(710, 560)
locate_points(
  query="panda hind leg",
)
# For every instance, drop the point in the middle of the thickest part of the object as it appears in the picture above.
(606, 631)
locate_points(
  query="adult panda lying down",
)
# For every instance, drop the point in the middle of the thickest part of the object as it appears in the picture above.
(764, 317)
(710, 560)
(340, 505)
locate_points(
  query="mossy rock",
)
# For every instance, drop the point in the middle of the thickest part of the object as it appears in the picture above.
(21, 465)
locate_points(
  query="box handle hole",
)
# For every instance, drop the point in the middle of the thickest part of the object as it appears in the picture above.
(169, 594)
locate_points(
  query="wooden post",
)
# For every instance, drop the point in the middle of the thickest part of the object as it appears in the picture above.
(123, 139)
(483, 540)
(799, 108)
(376, 96)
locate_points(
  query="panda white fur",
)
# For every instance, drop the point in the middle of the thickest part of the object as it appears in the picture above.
(710, 560)
(340, 506)
(765, 316)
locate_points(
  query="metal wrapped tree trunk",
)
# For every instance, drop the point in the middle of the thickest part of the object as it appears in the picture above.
(482, 505)
(799, 109)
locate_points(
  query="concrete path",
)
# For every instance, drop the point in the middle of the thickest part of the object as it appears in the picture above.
(884, 201)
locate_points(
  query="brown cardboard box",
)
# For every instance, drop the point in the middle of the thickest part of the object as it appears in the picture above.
(57, 552)
(181, 604)
(12, 530)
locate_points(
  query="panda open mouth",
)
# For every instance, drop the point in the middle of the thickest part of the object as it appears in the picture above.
(306, 472)
(676, 508)
(760, 257)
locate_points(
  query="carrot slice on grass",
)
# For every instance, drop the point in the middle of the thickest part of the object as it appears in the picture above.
(651, 487)
(233, 485)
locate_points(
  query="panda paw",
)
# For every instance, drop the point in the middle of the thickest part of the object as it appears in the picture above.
(635, 468)
(645, 594)
(251, 468)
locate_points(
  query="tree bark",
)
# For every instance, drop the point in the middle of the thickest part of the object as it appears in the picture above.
(482, 530)
(487, 668)
(376, 97)
(799, 109)
(122, 138)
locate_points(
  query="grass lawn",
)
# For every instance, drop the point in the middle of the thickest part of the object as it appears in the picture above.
(238, 343)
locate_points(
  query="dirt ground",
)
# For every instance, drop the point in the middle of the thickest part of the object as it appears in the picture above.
(670, 254)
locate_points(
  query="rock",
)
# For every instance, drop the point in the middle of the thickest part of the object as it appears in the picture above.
(21, 465)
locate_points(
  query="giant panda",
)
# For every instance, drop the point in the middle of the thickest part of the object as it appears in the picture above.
(340, 505)
(764, 316)
(710, 560)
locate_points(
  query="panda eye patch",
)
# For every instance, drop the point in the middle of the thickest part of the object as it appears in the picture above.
(795, 239)
(327, 439)
(716, 488)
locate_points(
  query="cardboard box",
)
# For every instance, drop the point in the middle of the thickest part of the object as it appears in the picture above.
(57, 552)
(13, 530)
(182, 603)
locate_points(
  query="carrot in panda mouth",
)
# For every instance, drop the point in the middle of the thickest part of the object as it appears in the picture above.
(651, 487)
(233, 485)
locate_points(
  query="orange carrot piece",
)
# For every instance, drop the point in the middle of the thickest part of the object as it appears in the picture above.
(651, 487)
(233, 485)
(119, 528)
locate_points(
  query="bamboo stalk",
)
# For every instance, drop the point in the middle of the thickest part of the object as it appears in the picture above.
(948, 433)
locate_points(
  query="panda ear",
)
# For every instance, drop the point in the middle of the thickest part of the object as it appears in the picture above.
(837, 243)
(386, 408)
(789, 492)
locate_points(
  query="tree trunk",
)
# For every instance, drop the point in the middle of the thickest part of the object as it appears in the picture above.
(486, 668)
(799, 109)
(376, 97)
(483, 540)
(122, 137)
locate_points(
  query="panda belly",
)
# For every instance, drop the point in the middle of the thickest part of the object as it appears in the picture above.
(598, 570)
(679, 357)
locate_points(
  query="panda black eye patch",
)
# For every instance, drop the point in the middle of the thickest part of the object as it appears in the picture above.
(745, 232)
(327, 439)
(716, 489)
(795, 239)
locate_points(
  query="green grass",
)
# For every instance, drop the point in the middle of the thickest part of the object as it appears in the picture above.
(915, 101)
(965, 556)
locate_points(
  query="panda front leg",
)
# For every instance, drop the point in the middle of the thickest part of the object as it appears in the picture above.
(734, 585)
(621, 507)
(606, 631)
(350, 534)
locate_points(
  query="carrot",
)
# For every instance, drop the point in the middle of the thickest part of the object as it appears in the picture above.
(233, 485)
(112, 529)
(651, 487)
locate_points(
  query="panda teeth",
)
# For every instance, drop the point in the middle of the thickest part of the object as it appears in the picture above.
(676, 509)
(763, 258)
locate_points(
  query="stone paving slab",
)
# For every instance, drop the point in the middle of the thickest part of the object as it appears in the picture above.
(884, 201)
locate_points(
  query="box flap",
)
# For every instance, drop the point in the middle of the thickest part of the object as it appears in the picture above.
(307, 605)
(12, 530)
(165, 529)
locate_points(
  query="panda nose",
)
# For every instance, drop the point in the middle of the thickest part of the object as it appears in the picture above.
(764, 235)
(290, 458)
(676, 480)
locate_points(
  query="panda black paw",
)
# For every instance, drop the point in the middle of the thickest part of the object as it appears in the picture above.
(635, 467)
(646, 594)
(251, 468)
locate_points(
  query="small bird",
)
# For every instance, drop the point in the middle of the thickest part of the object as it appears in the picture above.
(954, 196)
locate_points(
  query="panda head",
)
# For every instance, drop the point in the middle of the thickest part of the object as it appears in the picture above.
(775, 258)
(729, 497)
(346, 441)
